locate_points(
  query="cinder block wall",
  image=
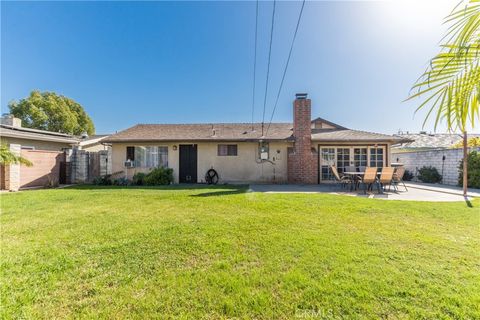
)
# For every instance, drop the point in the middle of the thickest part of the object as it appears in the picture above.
(79, 166)
(448, 168)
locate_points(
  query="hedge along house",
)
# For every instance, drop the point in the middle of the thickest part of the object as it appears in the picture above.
(301, 152)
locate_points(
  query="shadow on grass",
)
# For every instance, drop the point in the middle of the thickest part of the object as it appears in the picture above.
(221, 193)
(227, 189)
(468, 202)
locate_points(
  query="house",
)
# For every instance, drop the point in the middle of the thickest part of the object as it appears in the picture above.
(93, 143)
(56, 157)
(298, 152)
(439, 150)
(45, 149)
(429, 141)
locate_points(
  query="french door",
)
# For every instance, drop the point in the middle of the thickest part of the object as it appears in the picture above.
(344, 156)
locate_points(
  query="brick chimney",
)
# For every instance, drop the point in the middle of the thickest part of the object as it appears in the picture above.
(302, 130)
(302, 165)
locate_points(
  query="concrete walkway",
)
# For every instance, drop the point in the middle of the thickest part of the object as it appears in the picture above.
(415, 192)
(443, 188)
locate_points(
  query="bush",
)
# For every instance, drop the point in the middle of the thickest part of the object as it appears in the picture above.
(138, 179)
(473, 172)
(408, 175)
(429, 175)
(103, 180)
(159, 176)
(121, 182)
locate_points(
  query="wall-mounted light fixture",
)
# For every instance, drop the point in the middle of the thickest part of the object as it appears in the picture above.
(174, 147)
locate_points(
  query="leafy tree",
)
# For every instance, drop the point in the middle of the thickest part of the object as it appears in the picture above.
(451, 84)
(52, 112)
(7, 157)
(472, 142)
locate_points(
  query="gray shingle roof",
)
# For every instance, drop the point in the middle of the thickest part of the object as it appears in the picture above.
(348, 135)
(202, 132)
(238, 132)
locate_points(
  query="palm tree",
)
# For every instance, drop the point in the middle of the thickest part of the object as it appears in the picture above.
(451, 84)
(7, 157)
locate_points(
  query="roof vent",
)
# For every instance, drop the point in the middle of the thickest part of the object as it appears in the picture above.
(301, 96)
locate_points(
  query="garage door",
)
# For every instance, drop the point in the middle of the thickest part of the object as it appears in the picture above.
(46, 167)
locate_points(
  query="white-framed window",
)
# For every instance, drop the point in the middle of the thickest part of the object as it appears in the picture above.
(377, 156)
(360, 157)
(343, 156)
(149, 156)
(327, 159)
(227, 150)
(27, 148)
(343, 159)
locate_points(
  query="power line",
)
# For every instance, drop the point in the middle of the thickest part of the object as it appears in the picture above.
(286, 66)
(268, 66)
(254, 64)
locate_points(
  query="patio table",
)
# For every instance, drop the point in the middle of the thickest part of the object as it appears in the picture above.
(353, 174)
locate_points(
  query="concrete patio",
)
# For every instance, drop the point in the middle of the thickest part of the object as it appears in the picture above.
(416, 191)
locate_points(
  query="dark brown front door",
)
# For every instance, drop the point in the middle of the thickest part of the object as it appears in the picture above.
(188, 163)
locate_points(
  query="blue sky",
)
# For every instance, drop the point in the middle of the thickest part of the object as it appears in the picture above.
(184, 62)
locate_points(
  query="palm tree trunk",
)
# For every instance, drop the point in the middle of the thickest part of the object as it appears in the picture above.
(465, 163)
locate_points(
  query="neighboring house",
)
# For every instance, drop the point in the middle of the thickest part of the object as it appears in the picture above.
(301, 152)
(432, 150)
(93, 143)
(44, 148)
(429, 141)
(56, 157)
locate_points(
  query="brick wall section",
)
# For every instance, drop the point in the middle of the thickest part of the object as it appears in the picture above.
(418, 159)
(45, 169)
(302, 164)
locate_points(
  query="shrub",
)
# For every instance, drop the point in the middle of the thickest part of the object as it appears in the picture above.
(429, 175)
(408, 175)
(121, 182)
(473, 172)
(159, 176)
(138, 179)
(103, 180)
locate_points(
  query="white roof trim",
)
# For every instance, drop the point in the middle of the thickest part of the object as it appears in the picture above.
(36, 135)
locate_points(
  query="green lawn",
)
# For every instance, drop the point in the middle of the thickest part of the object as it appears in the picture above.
(222, 253)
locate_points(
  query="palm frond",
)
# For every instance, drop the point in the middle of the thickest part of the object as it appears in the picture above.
(7, 157)
(451, 84)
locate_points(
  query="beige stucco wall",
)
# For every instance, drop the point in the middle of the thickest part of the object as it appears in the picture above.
(242, 168)
(37, 144)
